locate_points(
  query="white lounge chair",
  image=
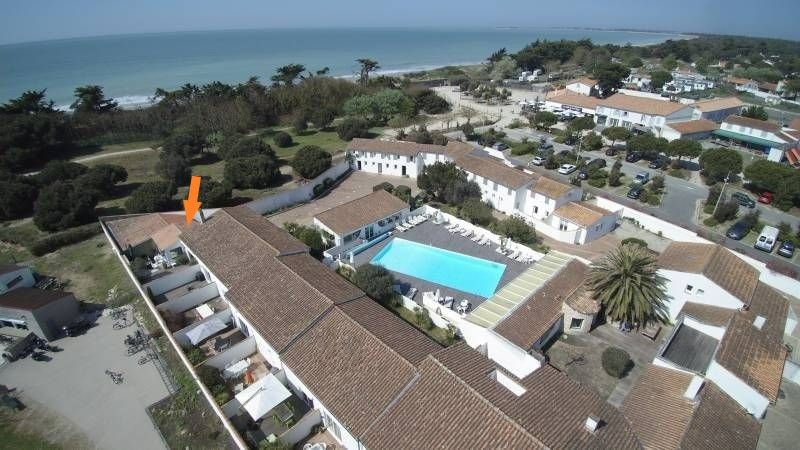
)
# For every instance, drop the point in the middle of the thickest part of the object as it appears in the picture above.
(477, 237)
(500, 250)
(514, 254)
(466, 233)
(522, 257)
(452, 226)
(483, 241)
(457, 229)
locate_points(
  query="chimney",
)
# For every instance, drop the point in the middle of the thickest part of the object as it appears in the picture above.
(759, 322)
(592, 423)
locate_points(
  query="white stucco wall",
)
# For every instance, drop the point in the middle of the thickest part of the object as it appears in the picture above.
(712, 294)
(710, 330)
(755, 403)
(23, 272)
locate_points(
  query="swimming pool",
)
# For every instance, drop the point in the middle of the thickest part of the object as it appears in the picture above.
(465, 273)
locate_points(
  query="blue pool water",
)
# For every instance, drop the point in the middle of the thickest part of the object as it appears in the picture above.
(465, 273)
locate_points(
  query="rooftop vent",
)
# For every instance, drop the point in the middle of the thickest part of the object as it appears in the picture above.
(516, 388)
(592, 423)
(759, 322)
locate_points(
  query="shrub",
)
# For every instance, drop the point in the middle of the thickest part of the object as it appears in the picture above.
(139, 264)
(59, 170)
(322, 117)
(282, 139)
(710, 222)
(300, 122)
(375, 281)
(525, 148)
(214, 194)
(422, 318)
(174, 168)
(311, 161)
(16, 199)
(255, 172)
(476, 211)
(102, 178)
(151, 197)
(551, 163)
(726, 210)
(616, 362)
(516, 229)
(597, 182)
(633, 240)
(318, 189)
(307, 235)
(386, 186)
(63, 239)
(352, 127)
(592, 141)
(243, 147)
(404, 193)
(61, 205)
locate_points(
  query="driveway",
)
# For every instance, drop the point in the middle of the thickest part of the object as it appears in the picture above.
(356, 185)
(73, 386)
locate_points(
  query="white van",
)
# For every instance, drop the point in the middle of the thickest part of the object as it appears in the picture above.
(767, 239)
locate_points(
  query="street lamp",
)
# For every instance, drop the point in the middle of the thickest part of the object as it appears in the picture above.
(727, 178)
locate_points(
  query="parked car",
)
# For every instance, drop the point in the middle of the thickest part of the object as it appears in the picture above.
(767, 239)
(500, 146)
(786, 249)
(566, 169)
(659, 163)
(597, 163)
(583, 174)
(642, 177)
(743, 199)
(565, 153)
(766, 197)
(738, 230)
(633, 156)
(635, 192)
(538, 161)
(611, 151)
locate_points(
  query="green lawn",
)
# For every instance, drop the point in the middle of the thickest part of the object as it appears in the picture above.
(13, 439)
(327, 140)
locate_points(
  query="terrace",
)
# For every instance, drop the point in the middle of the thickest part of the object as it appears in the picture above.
(429, 233)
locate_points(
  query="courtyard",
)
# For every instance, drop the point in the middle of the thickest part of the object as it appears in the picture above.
(80, 399)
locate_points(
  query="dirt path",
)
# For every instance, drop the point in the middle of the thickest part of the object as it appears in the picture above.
(112, 154)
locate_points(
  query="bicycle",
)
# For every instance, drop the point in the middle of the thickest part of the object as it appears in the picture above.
(145, 359)
(116, 377)
(122, 324)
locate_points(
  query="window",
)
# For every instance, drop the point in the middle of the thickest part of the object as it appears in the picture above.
(563, 225)
(21, 326)
(689, 288)
(14, 282)
(575, 323)
(535, 209)
(411, 159)
(496, 186)
(485, 181)
(6, 323)
(509, 191)
(699, 292)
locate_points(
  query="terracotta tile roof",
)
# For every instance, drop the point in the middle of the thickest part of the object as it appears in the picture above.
(795, 124)
(587, 81)
(656, 408)
(392, 330)
(487, 167)
(717, 104)
(275, 237)
(326, 281)
(642, 105)
(551, 188)
(533, 317)
(456, 149)
(753, 123)
(163, 229)
(717, 263)
(719, 422)
(753, 356)
(392, 147)
(358, 213)
(350, 371)
(30, 299)
(711, 315)
(581, 301)
(441, 411)
(566, 97)
(581, 213)
(737, 80)
(693, 126)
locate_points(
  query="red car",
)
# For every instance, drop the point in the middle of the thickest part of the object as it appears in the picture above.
(765, 197)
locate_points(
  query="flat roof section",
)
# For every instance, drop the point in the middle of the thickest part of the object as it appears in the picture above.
(690, 349)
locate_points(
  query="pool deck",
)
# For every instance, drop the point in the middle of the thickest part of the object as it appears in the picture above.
(429, 233)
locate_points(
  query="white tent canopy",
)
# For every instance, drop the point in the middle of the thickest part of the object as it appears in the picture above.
(202, 331)
(263, 395)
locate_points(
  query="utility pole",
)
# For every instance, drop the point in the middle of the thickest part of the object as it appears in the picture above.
(722, 192)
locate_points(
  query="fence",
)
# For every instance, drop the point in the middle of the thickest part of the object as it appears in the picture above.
(300, 194)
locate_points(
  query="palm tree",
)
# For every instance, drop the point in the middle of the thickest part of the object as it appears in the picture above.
(626, 282)
(367, 66)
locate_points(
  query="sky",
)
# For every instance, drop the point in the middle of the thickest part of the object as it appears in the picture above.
(35, 20)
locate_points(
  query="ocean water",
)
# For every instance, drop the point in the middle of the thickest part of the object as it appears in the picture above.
(131, 67)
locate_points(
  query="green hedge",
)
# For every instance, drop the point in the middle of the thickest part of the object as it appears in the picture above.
(616, 362)
(65, 238)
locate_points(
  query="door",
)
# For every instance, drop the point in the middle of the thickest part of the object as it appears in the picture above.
(404, 170)
(380, 167)
(359, 165)
(368, 231)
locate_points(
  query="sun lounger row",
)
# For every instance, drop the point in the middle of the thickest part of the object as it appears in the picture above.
(411, 222)
(516, 255)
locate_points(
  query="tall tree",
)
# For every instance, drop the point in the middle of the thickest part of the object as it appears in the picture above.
(684, 148)
(287, 74)
(616, 134)
(91, 99)
(30, 102)
(626, 282)
(755, 112)
(609, 77)
(660, 77)
(367, 66)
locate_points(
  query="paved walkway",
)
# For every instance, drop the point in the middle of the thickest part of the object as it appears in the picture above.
(73, 385)
(112, 154)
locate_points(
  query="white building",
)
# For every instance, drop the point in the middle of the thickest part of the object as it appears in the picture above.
(640, 113)
(13, 276)
(640, 81)
(717, 109)
(584, 86)
(568, 101)
(691, 129)
(687, 82)
(362, 218)
(507, 189)
(766, 136)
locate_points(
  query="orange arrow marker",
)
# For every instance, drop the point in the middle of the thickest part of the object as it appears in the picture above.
(191, 205)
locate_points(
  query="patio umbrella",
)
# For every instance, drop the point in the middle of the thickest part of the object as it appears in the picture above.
(204, 330)
(438, 218)
(260, 397)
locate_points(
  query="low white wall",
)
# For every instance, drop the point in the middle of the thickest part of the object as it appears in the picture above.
(710, 330)
(194, 298)
(755, 403)
(650, 223)
(297, 195)
(302, 428)
(171, 281)
(781, 282)
(181, 337)
(238, 352)
(791, 371)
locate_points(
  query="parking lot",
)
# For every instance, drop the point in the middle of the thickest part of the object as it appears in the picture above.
(74, 388)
